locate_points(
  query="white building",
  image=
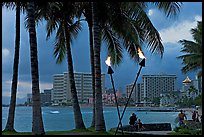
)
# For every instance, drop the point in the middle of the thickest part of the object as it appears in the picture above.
(136, 93)
(83, 83)
(58, 94)
(154, 85)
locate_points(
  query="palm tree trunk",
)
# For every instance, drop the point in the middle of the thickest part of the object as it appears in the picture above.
(79, 124)
(89, 20)
(92, 73)
(12, 106)
(99, 118)
(37, 122)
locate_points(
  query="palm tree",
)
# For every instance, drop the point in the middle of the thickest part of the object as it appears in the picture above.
(61, 17)
(99, 117)
(88, 15)
(193, 49)
(12, 106)
(37, 122)
(138, 29)
(113, 46)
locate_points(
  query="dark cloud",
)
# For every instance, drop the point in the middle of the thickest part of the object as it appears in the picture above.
(124, 74)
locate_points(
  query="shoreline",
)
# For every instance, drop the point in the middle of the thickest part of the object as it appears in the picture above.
(190, 110)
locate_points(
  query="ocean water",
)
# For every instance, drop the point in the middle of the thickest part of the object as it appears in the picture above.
(62, 118)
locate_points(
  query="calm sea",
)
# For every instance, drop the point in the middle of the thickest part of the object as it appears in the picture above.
(62, 118)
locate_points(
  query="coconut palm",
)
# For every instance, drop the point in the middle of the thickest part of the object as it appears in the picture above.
(12, 105)
(88, 14)
(99, 117)
(60, 17)
(11, 115)
(193, 49)
(108, 37)
(138, 29)
(37, 121)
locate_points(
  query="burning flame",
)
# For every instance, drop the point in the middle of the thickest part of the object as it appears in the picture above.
(108, 62)
(141, 55)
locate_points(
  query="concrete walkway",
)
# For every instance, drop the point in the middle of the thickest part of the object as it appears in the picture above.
(142, 132)
(150, 133)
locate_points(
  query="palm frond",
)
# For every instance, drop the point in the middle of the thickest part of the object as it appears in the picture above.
(148, 32)
(114, 47)
(128, 34)
(9, 5)
(197, 33)
(190, 46)
(171, 9)
(60, 45)
(74, 30)
(51, 26)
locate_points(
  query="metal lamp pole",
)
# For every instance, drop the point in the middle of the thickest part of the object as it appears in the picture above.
(142, 64)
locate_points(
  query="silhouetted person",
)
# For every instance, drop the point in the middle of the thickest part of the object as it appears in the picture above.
(197, 116)
(133, 119)
(194, 116)
(140, 125)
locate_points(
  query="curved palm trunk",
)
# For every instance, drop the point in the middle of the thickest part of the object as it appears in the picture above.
(37, 122)
(79, 124)
(99, 117)
(12, 106)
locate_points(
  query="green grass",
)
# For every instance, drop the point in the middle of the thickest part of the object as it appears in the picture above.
(15, 133)
(186, 131)
(88, 131)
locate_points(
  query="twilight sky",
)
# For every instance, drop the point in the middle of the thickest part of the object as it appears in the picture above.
(171, 30)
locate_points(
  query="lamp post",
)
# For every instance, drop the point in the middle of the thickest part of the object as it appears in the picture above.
(110, 71)
(142, 64)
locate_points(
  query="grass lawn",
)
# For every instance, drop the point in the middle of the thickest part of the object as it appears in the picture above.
(88, 131)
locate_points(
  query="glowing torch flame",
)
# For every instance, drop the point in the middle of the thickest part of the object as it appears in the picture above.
(141, 55)
(108, 62)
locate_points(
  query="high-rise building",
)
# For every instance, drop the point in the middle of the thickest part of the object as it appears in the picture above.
(154, 85)
(136, 93)
(45, 98)
(58, 95)
(83, 83)
(128, 91)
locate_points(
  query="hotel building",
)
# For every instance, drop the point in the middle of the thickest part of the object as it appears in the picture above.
(154, 85)
(137, 93)
(45, 97)
(83, 83)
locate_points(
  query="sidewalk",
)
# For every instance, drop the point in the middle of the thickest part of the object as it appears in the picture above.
(145, 132)
(152, 133)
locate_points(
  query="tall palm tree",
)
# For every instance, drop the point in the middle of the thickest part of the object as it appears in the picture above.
(99, 117)
(108, 37)
(12, 105)
(60, 17)
(37, 121)
(88, 14)
(135, 28)
(193, 49)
